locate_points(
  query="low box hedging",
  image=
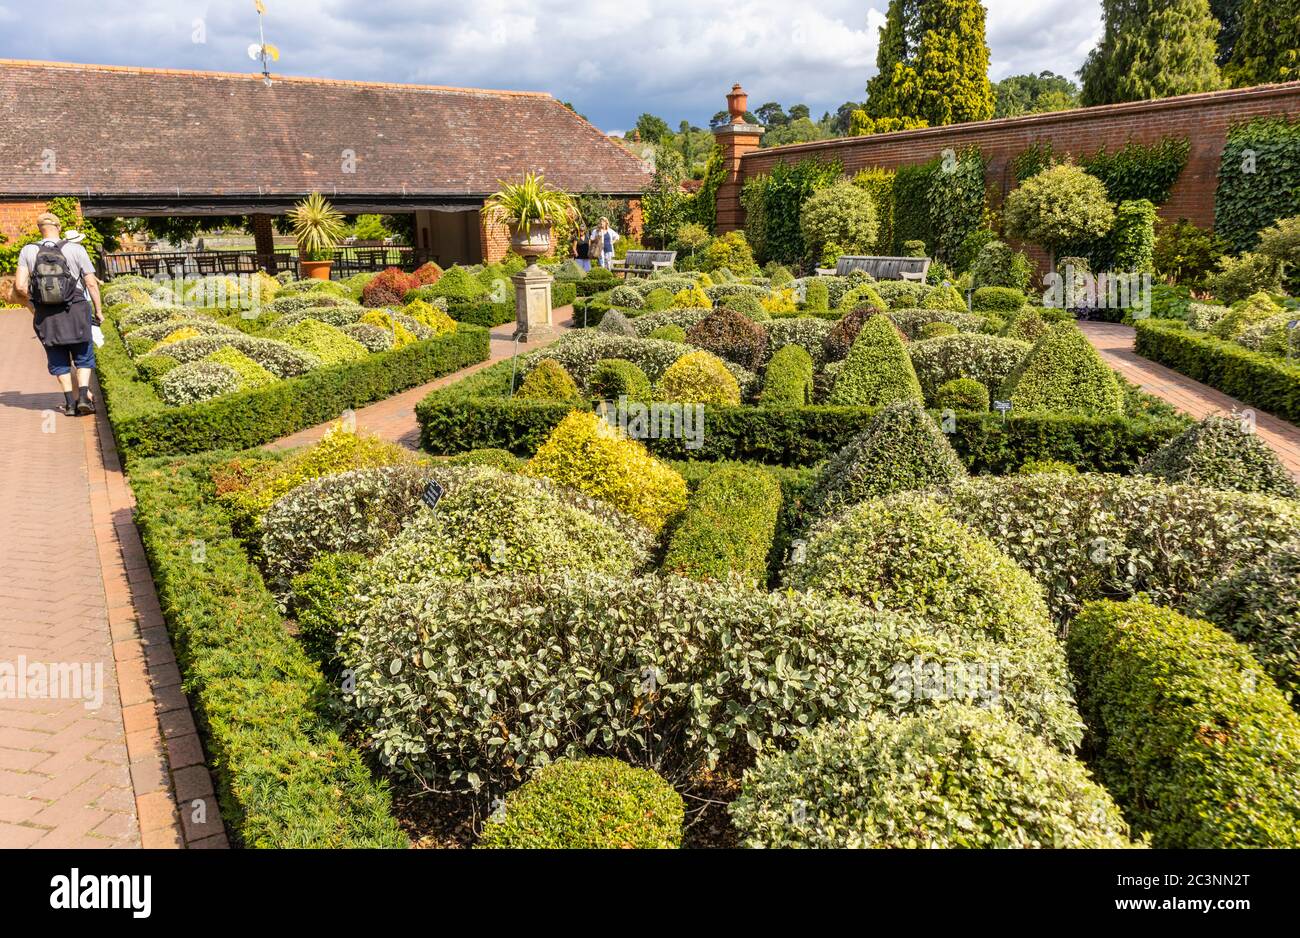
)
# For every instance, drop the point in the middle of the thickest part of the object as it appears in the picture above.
(1259, 380)
(284, 777)
(477, 413)
(1193, 739)
(145, 427)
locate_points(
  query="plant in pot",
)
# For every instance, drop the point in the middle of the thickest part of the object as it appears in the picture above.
(318, 228)
(529, 208)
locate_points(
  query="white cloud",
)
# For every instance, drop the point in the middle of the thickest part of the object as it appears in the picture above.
(675, 58)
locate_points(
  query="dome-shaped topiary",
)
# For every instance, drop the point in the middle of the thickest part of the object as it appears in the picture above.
(587, 454)
(731, 335)
(198, 381)
(698, 378)
(789, 379)
(669, 333)
(900, 449)
(935, 330)
(1256, 308)
(953, 776)
(746, 304)
(997, 300)
(388, 288)
(990, 360)
(548, 381)
(1222, 453)
(877, 371)
(615, 323)
(1027, 325)
(616, 378)
(589, 804)
(324, 341)
(457, 285)
(962, 394)
(945, 297)
(863, 296)
(1064, 374)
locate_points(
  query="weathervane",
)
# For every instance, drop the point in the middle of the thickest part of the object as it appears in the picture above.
(263, 49)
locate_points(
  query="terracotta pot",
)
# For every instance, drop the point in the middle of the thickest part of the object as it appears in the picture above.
(737, 102)
(533, 241)
(316, 270)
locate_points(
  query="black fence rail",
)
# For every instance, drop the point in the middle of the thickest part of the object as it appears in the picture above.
(172, 264)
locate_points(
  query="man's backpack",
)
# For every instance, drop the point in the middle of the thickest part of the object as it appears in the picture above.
(53, 283)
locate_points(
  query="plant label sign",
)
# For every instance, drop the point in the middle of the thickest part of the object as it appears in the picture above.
(1293, 324)
(1002, 407)
(433, 493)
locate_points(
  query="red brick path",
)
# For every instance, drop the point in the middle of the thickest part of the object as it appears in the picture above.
(394, 418)
(76, 589)
(1115, 344)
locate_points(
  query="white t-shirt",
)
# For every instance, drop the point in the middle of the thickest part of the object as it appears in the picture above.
(78, 263)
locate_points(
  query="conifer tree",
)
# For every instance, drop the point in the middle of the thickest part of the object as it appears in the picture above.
(1152, 49)
(1268, 46)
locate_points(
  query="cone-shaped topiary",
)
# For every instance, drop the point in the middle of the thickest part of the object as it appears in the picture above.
(902, 448)
(945, 297)
(878, 370)
(586, 453)
(1222, 453)
(844, 332)
(962, 394)
(1027, 325)
(1064, 374)
(548, 381)
(789, 379)
(863, 296)
(731, 335)
(698, 378)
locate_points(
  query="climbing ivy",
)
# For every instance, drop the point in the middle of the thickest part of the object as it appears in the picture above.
(1259, 179)
(706, 198)
(783, 194)
(956, 201)
(879, 183)
(1140, 171)
(912, 204)
(1033, 160)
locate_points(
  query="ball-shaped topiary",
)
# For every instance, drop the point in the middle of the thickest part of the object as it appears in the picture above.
(997, 300)
(997, 265)
(962, 394)
(841, 213)
(864, 296)
(1027, 325)
(934, 330)
(730, 335)
(548, 381)
(900, 449)
(945, 297)
(954, 776)
(617, 378)
(1222, 453)
(1064, 374)
(789, 379)
(877, 371)
(669, 333)
(746, 304)
(615, 323)
(587, 454)
(1059, 206)
(626, 296)
(588, 804)
(698, 378)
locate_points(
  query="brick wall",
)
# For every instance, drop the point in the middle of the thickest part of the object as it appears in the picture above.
(18, 218)
(494, 236)
(1203, 118)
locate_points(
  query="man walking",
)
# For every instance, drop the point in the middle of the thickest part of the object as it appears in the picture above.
(59, 282)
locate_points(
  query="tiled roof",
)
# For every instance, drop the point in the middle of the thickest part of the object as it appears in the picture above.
(139, 132)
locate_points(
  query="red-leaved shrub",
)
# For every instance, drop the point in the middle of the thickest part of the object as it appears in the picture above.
(388, 288)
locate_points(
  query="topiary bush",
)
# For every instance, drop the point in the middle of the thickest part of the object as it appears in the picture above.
(732, 336)
(750, 306)
(901, 294)
(728, 527)
(841, 334)
(1064, 374)
(388, 288)
(997, 300)
(457, 285)
(669, 334)
(987, 784)
(816, 297)
(788, 381)
(1222, 453)
(587, 454)
(323, 341)
(198, 381)
(698, 378)
(617, 378)
(901, 449)
(548, 381)
(1257, 308)
(877, 371)
(911, 321)
(962, 394)
(1027, 325)
(626, 296)
(588, 804)
(1259, 604)
(1186, 731)
(863, 296)
(990, 360)
(935, 330)
(807, 332)
(841, 213)
(1060, 206)
(374, 338)
(996, 265)
(946, 297)
(615, 323)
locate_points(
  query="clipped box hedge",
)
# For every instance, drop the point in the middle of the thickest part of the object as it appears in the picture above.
(477, 413)
(283, 775)
(1260, 380)
(1191, 737)
(144, 426)
(490, 314)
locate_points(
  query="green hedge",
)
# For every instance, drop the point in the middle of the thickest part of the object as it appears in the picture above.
(1260, 380)
(489, 314)
(728, 528)
(284, 777)
(477, 414)
(1188, 733)
(145, 427)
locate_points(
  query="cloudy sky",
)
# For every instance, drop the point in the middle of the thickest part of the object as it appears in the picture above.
(613, 60)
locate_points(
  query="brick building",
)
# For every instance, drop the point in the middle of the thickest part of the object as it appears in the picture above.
(131, 142)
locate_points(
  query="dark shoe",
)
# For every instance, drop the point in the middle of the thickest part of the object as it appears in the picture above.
(85, 406)
(70, 409)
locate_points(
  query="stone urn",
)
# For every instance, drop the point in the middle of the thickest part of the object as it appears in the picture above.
(737, 102)
(532, 242)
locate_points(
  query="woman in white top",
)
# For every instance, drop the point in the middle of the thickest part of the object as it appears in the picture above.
(603, 239)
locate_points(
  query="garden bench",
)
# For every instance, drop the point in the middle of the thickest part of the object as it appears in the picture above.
(884, 268)
(644, 263)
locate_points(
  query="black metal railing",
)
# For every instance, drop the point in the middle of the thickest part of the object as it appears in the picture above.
(172, 264)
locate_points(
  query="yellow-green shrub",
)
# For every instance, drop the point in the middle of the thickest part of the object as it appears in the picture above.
(251, 374)
(698, 378)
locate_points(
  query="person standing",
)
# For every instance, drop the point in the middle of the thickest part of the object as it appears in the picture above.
(582, 247)
(603, 239)
(59, 282)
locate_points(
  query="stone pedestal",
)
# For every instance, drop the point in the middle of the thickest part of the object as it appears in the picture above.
(533, 304)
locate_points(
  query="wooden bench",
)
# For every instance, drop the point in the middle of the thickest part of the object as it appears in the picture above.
(644, 263)
(884, 268)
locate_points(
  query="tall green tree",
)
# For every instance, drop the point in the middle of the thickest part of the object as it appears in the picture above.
(1228, 13)
(934, 63)
(1152, 49)
(1268, 46)
(652, 129)
(1033, 94)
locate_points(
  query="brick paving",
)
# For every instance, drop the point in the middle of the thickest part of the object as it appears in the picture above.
(1114, 343)
(76, 590)
(394, 418)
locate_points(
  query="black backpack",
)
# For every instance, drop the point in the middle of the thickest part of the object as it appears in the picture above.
(52, 281)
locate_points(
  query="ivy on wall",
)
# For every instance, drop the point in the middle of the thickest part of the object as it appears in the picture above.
(879, 184)
(706, 197)
(1259, 179)
(1140, 171)
(956, 202)
(1033, 160)
(911, 204)
(784, 191)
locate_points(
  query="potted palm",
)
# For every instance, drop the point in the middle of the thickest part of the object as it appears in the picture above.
(318, 228)
(529, 208)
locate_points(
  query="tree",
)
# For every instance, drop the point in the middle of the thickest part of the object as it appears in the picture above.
(1058, 207)
(1228, 13)
(720, 119)
(839, 123)
(1262, 52)
(843, 214)
(652, 129)
(1152, 49)
(798, 111)
(771, 114)
(1034, 94)
(933, 63)
(797, 131)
